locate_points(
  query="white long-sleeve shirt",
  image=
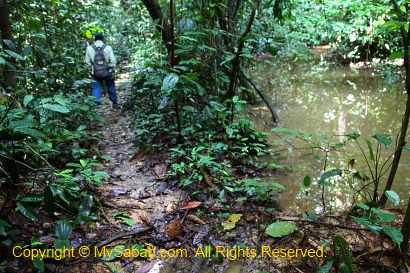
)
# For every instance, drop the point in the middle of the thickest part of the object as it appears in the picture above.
(108, 54)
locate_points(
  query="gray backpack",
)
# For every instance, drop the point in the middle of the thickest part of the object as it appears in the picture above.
(100, 65)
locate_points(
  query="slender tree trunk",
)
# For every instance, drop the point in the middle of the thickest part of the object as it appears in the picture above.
(172, 62)
(6, 35)
(236, 62)
(405, 122)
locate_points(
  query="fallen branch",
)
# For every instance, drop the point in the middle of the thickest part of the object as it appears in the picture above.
(296, 219)
(275, 117)
(136, 231)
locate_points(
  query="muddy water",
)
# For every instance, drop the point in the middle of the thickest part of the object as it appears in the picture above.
(328, 102)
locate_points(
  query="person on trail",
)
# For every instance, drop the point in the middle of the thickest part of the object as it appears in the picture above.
(102, 61)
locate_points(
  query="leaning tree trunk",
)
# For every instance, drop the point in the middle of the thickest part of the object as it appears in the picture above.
(405, 122)
(6, 35)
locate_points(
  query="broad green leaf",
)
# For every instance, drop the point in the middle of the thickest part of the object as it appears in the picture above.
(383, 139)
(56, 108)
(393, 197)
(2, 61)
(27, 212)
(361, 221)
(14, 55)
(280, 229)
(384, 216)
(394, 234)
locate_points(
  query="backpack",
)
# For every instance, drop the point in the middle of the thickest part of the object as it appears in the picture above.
(100, 65)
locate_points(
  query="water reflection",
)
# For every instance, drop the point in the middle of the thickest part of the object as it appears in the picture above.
(328, 102)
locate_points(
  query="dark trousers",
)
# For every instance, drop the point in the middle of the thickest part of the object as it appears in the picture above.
(97, 88)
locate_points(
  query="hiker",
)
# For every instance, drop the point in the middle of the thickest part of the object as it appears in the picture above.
(102, 61)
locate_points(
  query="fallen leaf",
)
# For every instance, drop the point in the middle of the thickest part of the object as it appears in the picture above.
(192, 205)
(231, 221)
(195, 219)
(137, 155)
(173, 229)
(280, 229)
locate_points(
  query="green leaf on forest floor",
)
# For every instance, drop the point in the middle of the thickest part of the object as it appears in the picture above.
(280, 229)
(394, 234)
(230, 222)
(393, 197)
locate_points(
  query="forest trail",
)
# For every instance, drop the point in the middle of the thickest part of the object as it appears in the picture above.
(133, 193)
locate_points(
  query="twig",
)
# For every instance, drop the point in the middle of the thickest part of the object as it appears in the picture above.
(275, 118)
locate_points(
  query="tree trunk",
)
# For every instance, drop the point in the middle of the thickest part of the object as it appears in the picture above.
(163, 25)
(6, 35)
(405, 122)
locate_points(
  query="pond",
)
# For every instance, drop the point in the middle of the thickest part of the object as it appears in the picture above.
(328, 102)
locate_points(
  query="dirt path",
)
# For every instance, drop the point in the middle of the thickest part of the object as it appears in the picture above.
(133, 190)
